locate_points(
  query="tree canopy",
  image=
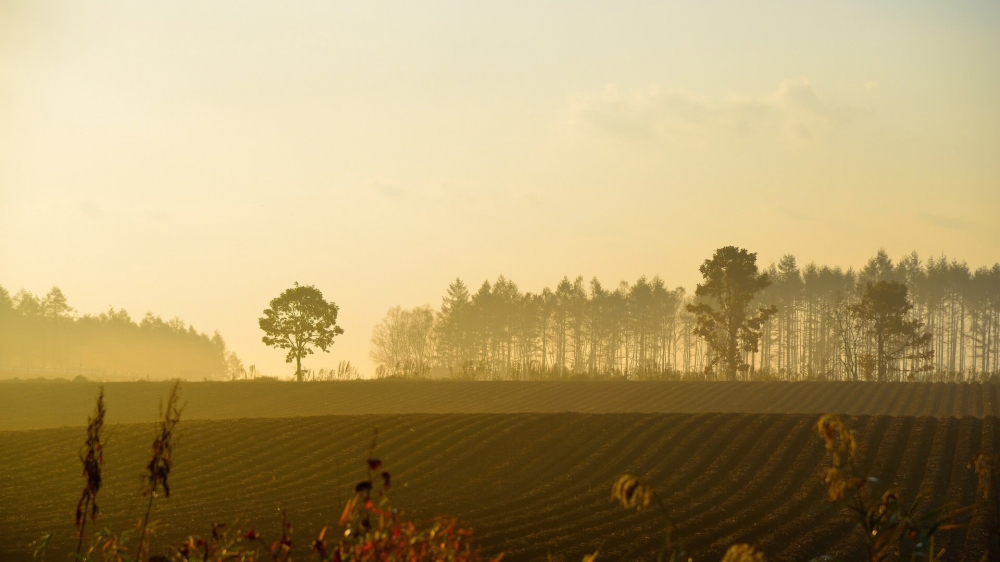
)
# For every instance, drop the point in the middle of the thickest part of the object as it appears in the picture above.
(885, 307)
(724, 319)
(645, 330)
(298, 320)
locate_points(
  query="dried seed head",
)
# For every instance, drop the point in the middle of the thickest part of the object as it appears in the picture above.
(743, 553)
(631, 492)
(841, 443)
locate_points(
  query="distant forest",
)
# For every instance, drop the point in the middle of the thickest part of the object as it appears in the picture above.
(645, 330)
(42, 336)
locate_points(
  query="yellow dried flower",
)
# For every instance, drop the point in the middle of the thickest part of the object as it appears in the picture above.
(743, 553)
(631, 492)
(841, 442)
(836, 485)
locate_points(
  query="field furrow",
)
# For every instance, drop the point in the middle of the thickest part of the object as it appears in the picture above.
(529, 484)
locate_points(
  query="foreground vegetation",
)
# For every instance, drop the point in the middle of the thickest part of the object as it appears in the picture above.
(530, 484)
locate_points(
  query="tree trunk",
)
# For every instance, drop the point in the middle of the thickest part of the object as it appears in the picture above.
(881, 358)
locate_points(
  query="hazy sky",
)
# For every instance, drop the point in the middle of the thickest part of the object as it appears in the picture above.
(194, 158)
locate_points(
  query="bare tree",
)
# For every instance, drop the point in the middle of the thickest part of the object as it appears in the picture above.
(403, 342)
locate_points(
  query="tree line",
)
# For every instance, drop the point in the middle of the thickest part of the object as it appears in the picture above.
(44, 335)
(908, 320)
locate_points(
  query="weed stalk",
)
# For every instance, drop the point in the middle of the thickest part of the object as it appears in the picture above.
(92, 458)
(158, 469)
(634, 493)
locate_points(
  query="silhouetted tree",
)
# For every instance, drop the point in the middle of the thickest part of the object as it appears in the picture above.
(884, 307)
(298, 320)
(643, 330)
(452, 329)
(55, 305)
(724, 319)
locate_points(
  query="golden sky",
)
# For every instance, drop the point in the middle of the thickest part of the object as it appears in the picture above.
(194, 158)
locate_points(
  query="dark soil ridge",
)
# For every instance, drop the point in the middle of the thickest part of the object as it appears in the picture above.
(41, 405)
(527, 483)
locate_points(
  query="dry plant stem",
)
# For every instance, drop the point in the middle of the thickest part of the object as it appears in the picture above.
(668, 537)
(671, 528)
(79, 540)
(633, 492)
(42, 547)
(142, 534)
(158, 469)
(92, 459)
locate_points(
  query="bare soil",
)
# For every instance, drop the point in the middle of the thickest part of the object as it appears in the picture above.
(528, 483)
(53, 404)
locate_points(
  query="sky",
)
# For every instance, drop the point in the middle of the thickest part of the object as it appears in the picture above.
(196, 158)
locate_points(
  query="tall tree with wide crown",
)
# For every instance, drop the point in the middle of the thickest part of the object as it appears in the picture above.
(724, 319)
(298, 320)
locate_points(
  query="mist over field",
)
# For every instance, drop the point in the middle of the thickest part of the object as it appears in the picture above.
(499, 281)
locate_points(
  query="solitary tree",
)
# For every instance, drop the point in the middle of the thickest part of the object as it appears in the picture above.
(724, 319)
(884, 307)
(297, 320)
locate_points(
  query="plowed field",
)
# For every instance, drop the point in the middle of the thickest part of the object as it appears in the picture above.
(41, 405)
(527, 483)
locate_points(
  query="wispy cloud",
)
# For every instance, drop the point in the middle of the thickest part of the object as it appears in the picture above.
(90, 209)
(792, 213)
(793, 112)
(435, 195)
(943, 221)
(388, 190)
